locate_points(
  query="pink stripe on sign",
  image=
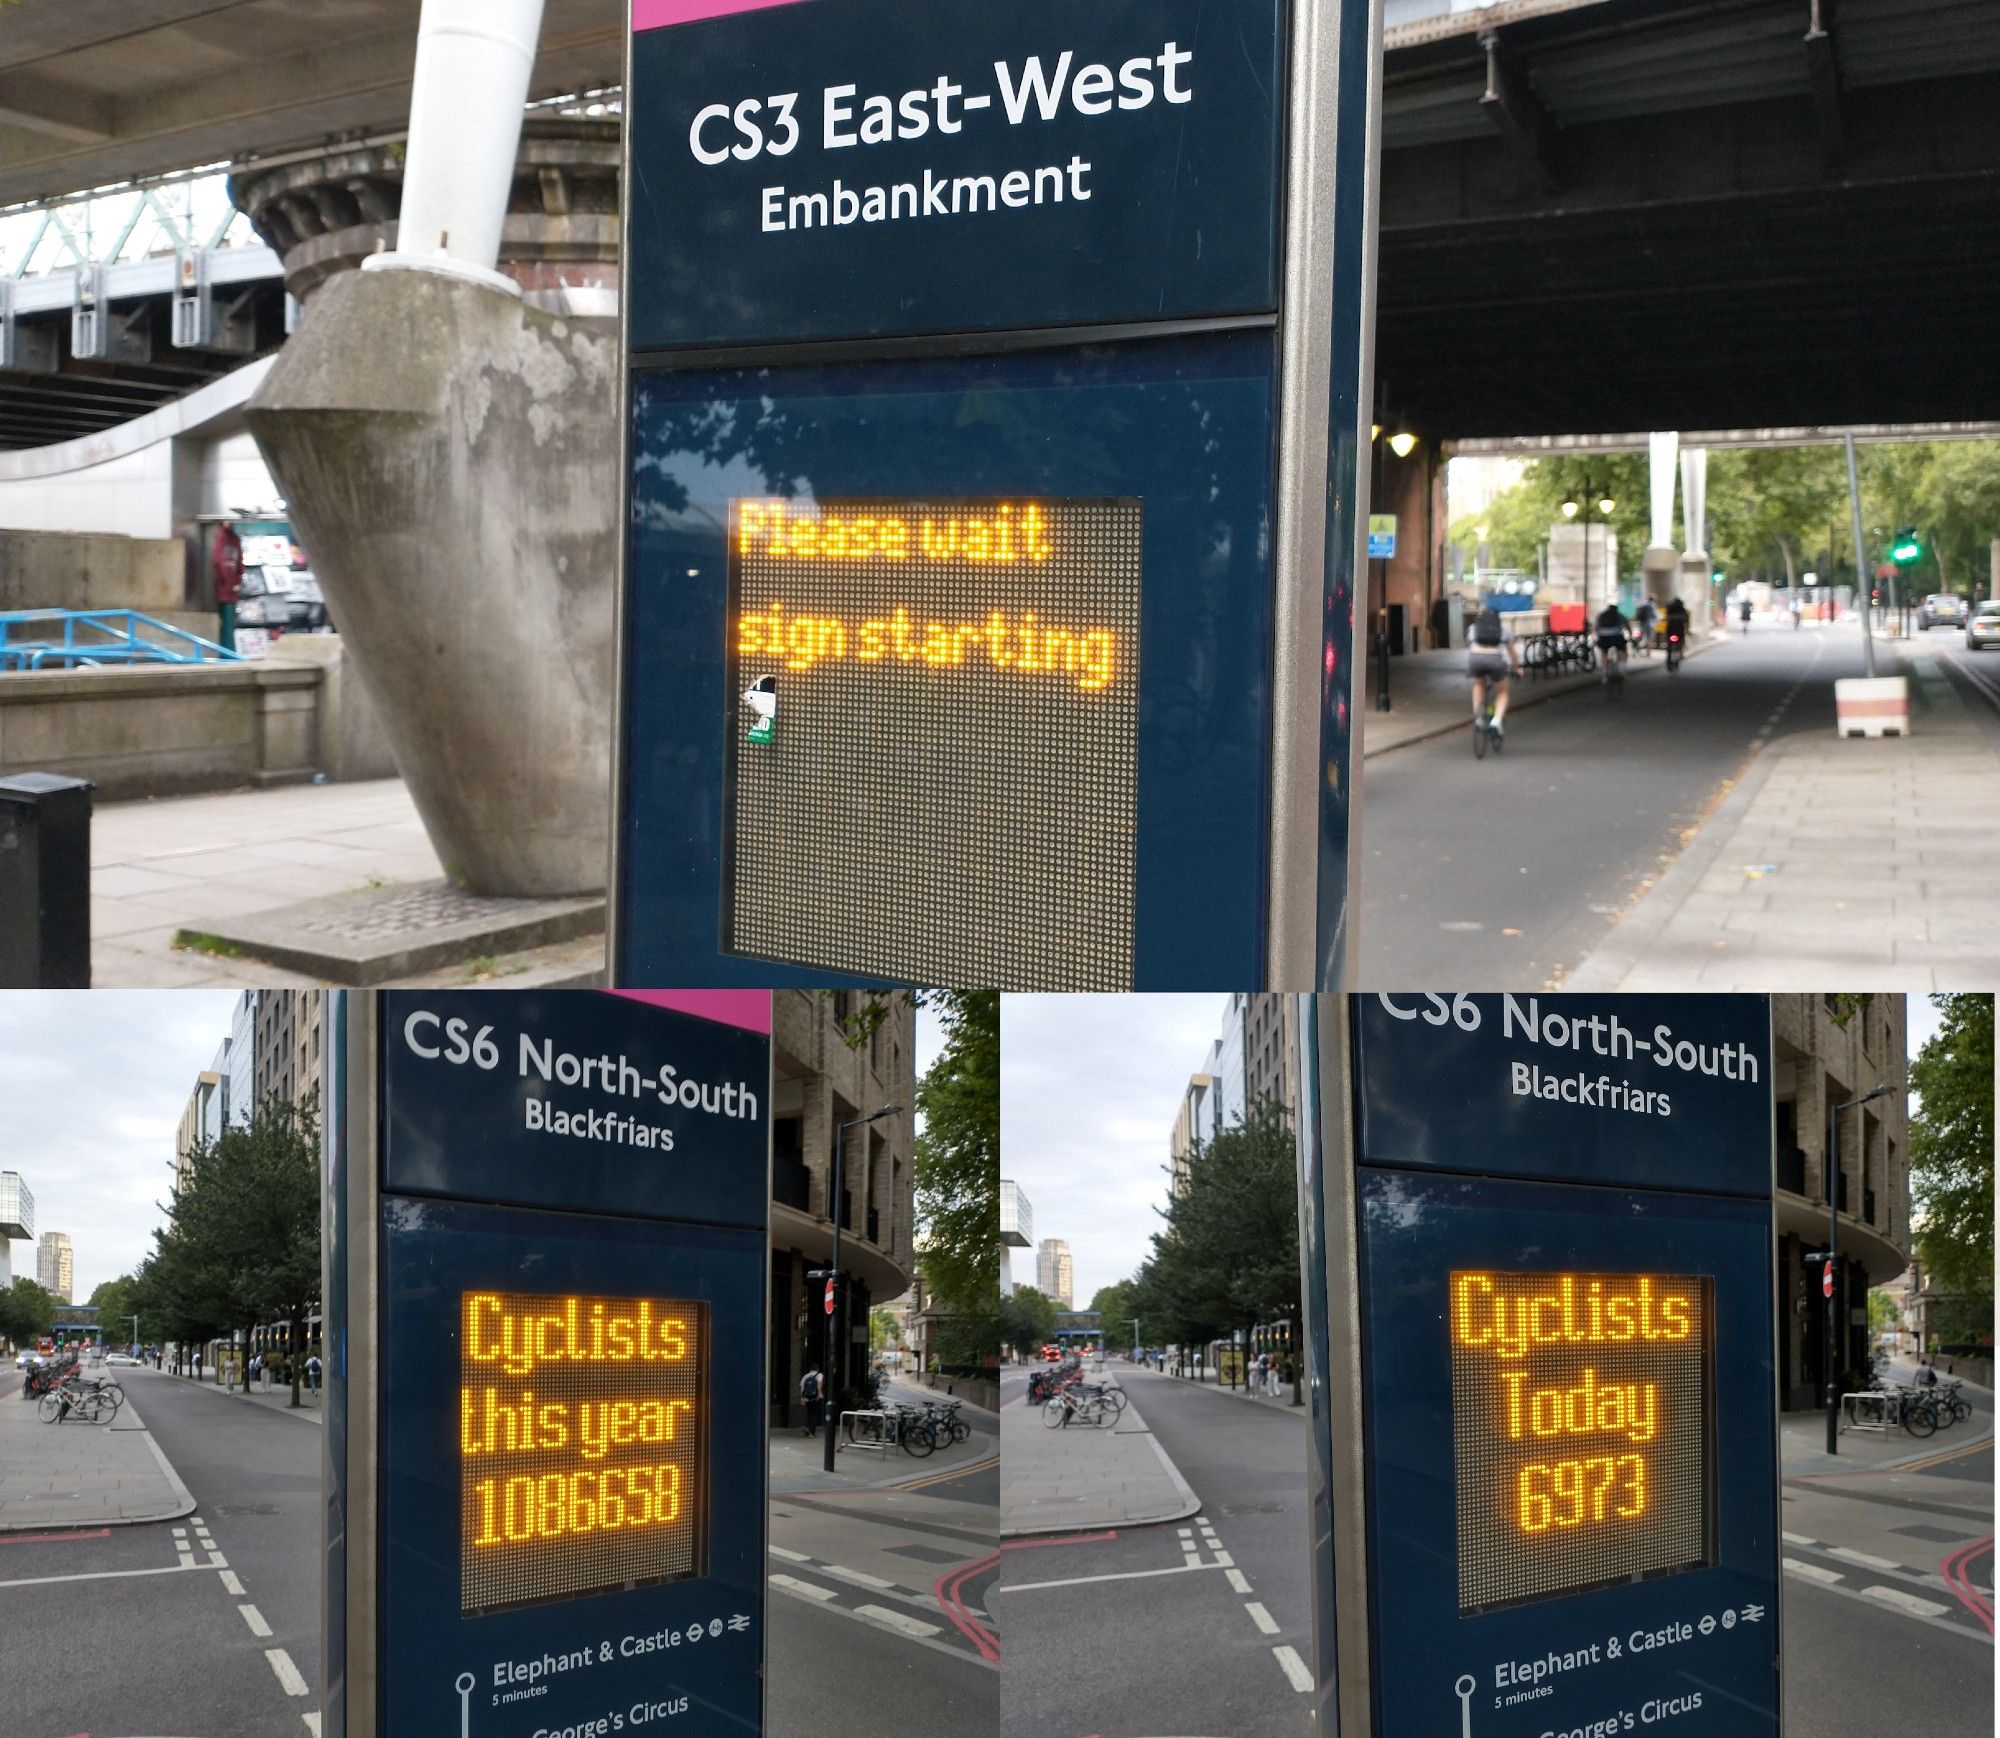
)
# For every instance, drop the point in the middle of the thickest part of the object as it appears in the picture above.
(750, 1009)
(657, 14)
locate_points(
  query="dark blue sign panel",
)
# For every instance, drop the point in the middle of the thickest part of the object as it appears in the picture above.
(574, 1261)
(864, 168)
(1038, 776)
(1568, 1370)
(575, 1101)
(1649, 1092)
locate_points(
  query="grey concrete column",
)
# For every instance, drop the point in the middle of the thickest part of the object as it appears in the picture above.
(451, 459)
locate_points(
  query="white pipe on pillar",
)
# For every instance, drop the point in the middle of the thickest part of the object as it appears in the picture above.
(474, 61)
(1694, 499)
(1663, 447)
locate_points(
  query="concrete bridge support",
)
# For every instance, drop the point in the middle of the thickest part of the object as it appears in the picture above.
(451, 458)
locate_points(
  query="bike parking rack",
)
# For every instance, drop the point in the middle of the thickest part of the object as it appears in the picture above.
(1883, 1405)
(883, 1440)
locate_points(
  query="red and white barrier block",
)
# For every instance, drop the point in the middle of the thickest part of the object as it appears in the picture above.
(1872, 705)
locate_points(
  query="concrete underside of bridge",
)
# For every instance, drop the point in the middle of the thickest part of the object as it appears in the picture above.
(1691, 214)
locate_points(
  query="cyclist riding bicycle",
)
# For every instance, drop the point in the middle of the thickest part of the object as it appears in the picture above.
(1490, 657)
(1611, 627)
(1642, 621)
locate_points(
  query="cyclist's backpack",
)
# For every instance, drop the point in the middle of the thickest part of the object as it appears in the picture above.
(1486, 627)
(811, 1386)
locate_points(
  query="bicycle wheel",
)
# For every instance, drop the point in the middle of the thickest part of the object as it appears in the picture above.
(1961, 1410)
(1115, 1399)
(1920, 1419)
(920, 1438)
(1055, 1411)
(1479, 737)
(51, 1408)
(113, 1394)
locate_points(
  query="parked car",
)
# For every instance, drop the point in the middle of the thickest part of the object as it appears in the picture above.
(1983, 629)
(1941, 609)
(124, 1360)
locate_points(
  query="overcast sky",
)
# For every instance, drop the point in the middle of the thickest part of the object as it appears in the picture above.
(1089, 1087)
(94, 1083)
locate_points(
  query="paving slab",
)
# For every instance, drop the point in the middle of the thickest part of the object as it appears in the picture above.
(1082, 1480)
(54, 1477)
(382, 933)
(1862, 862)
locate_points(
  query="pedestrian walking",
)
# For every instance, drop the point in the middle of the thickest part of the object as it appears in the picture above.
(312, 1374)
(812, 1386)
(1263, 1371)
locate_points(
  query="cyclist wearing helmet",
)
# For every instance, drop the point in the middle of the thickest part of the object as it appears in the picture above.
(1642, 622)
(1490, 657)
(1611, 626)
(1677, 618)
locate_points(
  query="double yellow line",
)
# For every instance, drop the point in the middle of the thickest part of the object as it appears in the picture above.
(948, 1474)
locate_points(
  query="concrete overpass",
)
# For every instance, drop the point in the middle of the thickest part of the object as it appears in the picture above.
(1603, 215)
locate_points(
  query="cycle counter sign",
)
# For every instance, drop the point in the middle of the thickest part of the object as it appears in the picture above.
(966, 564)
(547, 1311)
(1559, 1211)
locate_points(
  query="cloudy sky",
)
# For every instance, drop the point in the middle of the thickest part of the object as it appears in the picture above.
(1089, 1087)
(94, 1083)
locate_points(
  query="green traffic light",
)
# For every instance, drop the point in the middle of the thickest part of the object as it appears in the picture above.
(1906, 547)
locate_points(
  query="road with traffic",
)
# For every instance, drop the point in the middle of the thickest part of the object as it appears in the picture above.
(1506, 873)
(208, 1624)
(1200, 1626)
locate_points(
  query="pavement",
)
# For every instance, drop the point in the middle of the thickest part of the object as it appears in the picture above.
(1860, 862)
(73, 1474)
(277, 1397)
(798, 1461)
(171, 863)
(205, 1624)
(1537, 868)
(1198, 1626)
(1080, 1479)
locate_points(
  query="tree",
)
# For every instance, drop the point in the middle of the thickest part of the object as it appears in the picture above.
(884, 1331)
(1115, 1307)
(26, 1312)
(116, 1305)
(958, 1176)
(1951, 1166)
(241, 1245)
(1027, 1319)
(1229, 1255)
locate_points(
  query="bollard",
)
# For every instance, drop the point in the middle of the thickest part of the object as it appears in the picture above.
(45, 882)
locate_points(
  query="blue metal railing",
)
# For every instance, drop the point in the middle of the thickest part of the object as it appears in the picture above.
(69, 639)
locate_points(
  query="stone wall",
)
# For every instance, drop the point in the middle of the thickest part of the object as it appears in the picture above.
(81, 571)
(167, 730)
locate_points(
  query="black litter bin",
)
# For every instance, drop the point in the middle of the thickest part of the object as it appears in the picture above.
(44, 882)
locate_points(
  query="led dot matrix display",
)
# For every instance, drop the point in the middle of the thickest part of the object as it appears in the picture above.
(583, 1443)
(1583, 1433)
(946, 793)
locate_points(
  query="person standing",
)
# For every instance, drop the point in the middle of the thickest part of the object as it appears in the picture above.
(812, 1387)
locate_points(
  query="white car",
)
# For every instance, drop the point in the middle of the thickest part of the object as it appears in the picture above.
(23, 1359)
(123, 1359)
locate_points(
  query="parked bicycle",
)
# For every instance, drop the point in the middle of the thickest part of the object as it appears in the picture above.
(88, 1402)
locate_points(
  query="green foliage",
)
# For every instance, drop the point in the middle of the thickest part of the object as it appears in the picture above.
(1027, 1320)
(1951, 1162)
(1229, 1255)
(958, 1176)
(1116, 1304)
(242, 1240)
(1882, 1316)
(26, 1312)
(116, 1303)
(884, 1331)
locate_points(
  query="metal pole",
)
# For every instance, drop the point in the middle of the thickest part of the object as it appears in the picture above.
(1134, 1320)
(1832, 1170)
(833, 1279)
(1865, 593)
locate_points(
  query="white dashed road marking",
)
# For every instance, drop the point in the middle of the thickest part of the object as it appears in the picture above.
(255, 1619)
(1294, 1667)
(288, 1674)
(805, 1589)
(1906, 1601)
(1813, 1572)
(1262, 1618)
(896, 1620)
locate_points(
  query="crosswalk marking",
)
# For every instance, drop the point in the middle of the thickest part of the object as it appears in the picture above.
(1294, 1668)
(288, 1674)
(897, 1620)
(1906, 1601)
(1813, 1571)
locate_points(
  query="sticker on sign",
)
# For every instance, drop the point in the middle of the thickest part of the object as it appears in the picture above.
(657, 14)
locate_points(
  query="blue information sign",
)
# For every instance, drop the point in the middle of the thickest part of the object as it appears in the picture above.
(571, 1227)
(1559, 1216)
(955, 620)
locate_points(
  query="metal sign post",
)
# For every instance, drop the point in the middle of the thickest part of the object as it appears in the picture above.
(546, 1306)
(996, 413)
(1541, 1329)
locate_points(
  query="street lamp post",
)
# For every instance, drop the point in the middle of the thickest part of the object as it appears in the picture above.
(1134, 1320)
(833, 1205)
(1832, 1177)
